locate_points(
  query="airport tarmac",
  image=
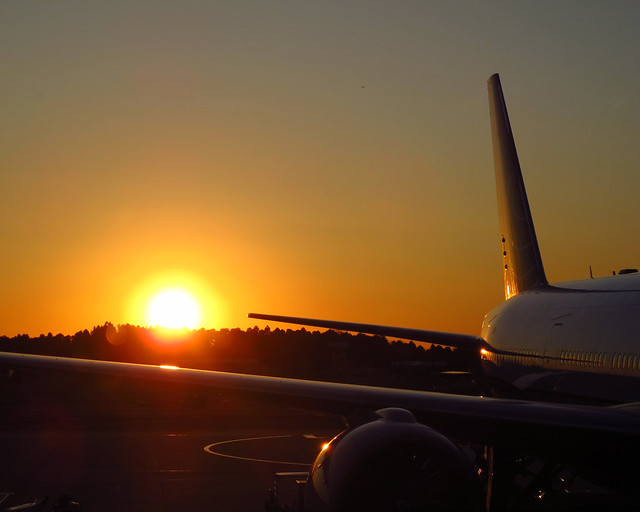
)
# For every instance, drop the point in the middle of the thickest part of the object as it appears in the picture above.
(143, 450)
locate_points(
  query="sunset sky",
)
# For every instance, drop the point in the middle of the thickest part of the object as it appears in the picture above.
(320, 159)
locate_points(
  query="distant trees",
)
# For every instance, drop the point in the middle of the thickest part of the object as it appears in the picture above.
(328, 355)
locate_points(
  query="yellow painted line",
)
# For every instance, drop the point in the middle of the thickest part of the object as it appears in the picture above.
(211, 449)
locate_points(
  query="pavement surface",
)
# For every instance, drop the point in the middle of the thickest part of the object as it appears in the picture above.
(130, 446)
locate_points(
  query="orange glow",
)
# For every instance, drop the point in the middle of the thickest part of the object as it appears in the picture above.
(351, 204)
(169, 367)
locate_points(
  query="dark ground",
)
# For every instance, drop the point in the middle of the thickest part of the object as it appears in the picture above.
(118, 445)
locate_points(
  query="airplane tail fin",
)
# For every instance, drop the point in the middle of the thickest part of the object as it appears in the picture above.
(522, 264)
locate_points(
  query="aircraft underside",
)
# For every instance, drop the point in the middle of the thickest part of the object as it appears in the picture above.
(394, 462)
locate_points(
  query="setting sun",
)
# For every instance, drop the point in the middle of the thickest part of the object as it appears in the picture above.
(175, 299)
(174, 308)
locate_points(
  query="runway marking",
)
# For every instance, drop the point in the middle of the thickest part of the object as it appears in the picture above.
(211, 449)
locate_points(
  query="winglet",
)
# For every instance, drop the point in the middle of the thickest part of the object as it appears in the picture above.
(522, 263)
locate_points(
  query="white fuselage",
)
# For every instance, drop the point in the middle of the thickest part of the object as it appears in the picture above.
(590, 326)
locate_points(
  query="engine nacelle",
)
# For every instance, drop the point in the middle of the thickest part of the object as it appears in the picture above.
(393, 463)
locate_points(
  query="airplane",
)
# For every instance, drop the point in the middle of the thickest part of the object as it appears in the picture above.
(418, 450)
(579, 339)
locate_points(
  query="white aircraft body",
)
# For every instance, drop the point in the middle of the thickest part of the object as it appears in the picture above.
(431, 451)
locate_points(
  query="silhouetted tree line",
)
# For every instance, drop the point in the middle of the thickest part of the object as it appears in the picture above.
(298, 353)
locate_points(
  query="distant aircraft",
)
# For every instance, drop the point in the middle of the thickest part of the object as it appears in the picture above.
(416, 450)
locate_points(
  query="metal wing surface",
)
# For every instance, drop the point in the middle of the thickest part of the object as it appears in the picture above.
(439, 338)
(465, 417)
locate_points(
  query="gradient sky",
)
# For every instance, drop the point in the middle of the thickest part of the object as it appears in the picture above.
(323, 159)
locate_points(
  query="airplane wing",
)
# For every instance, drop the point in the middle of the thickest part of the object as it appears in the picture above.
(469, 417)
(449, 339)
(421, 434)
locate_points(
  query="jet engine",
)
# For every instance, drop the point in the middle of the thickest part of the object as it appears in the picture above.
(392, 464)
